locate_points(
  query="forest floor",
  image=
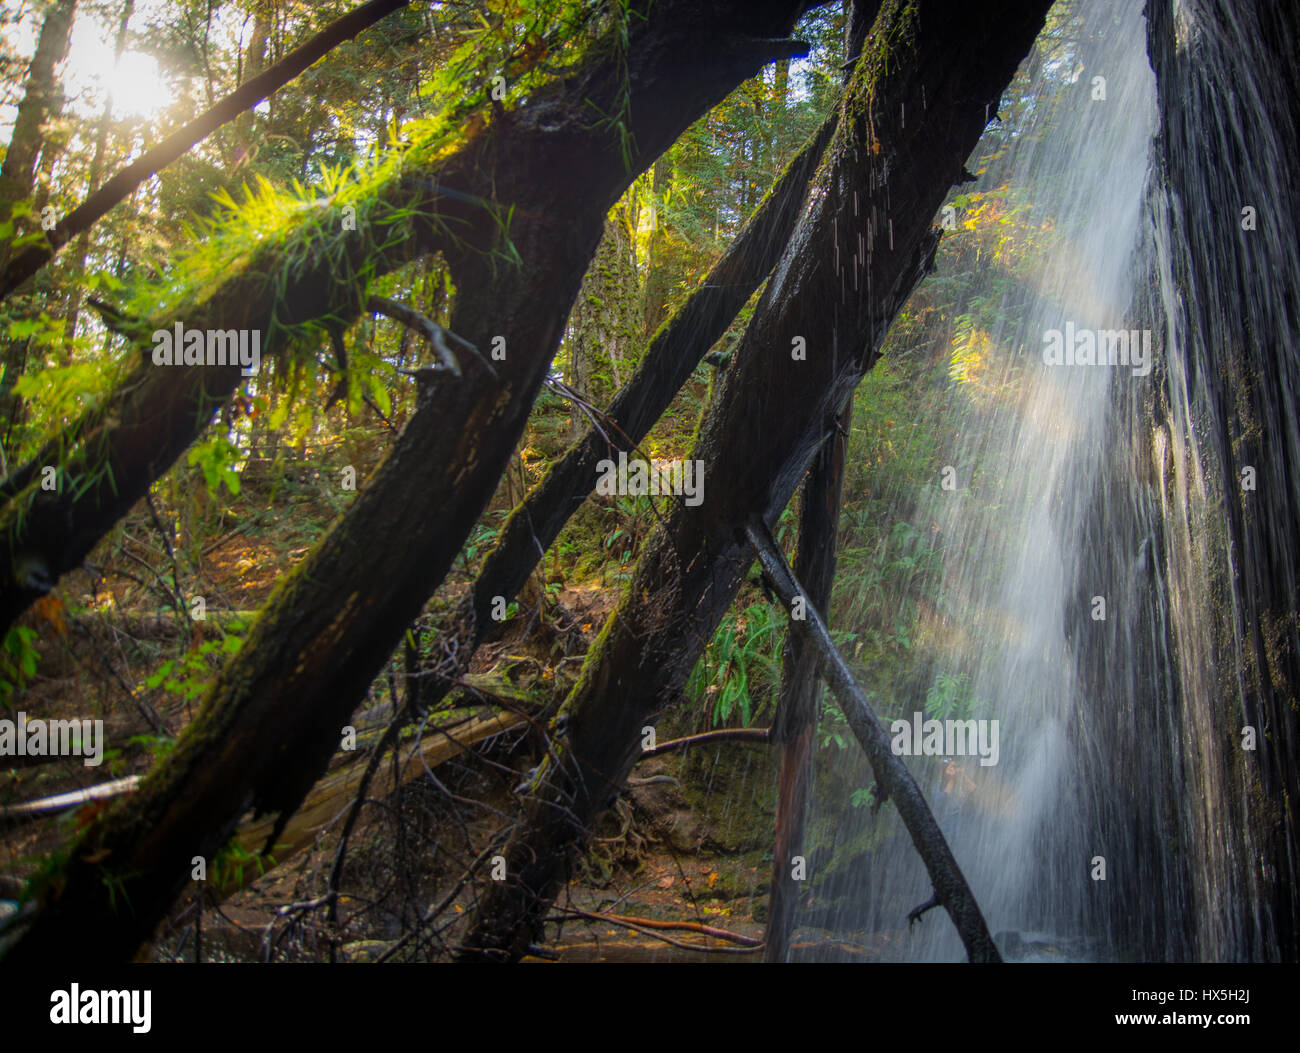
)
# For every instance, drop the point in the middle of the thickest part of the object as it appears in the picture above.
(693, 846)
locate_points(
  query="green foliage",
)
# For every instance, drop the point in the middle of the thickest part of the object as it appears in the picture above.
(482, 537)
(18, 658)
(741, 668)
(634, 518)
(158, 746)
(951, 696)
(192, 674)
(217, 458)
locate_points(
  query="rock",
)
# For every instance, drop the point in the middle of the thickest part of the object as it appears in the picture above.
(365, 950)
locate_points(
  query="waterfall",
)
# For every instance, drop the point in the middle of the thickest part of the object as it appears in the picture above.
(1084, 512)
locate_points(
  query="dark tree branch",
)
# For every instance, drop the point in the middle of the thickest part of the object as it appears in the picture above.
(949, 883)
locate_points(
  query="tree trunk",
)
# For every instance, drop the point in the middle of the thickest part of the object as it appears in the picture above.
(41, 101)
(919, 99)
(654, 295)
(796, 715)
(605, 322)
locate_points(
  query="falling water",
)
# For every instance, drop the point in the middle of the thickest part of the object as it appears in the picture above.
(1081, 517)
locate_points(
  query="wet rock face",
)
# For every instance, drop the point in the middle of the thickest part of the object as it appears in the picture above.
(663, 807)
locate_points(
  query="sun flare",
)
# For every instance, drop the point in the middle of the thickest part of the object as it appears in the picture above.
(135, 82)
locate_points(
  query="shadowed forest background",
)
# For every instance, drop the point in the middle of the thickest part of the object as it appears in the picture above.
(385, 675)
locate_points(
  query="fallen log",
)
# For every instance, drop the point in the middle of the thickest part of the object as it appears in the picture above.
(333, 794)
(655, 925)
(326, 800)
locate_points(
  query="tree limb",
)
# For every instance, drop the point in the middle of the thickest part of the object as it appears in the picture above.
(949, 883)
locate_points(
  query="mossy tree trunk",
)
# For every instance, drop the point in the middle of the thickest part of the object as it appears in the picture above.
(605, 326)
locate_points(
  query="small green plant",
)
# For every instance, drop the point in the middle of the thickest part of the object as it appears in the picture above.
(742, 662)
(832, 727)
(950, 695)
(230, 862)
(217, 458)
(481, 538)
(192, 674)
(18, 660)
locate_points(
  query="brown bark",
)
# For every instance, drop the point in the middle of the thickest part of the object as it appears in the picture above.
(796, 715)
(919, 99)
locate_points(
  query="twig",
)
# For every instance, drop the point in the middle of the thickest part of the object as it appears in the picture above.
(758, 736)
(647, 927)
(435, 334)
